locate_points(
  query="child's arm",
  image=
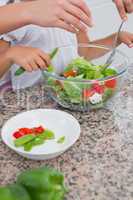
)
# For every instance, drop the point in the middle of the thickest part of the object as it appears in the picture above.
(27, 57)
(90, 53)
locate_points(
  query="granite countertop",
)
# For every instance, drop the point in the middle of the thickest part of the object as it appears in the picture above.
(100, 165)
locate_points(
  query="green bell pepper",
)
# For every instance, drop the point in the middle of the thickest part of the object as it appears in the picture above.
(43, 183)
(14, 192)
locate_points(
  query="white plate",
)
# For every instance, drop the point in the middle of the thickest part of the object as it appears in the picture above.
(61, 123)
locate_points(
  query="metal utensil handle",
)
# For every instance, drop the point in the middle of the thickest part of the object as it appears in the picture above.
(117, 35)
(115, 44)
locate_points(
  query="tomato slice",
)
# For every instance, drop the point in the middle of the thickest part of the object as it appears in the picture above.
(25, 131)
(88, 93)
(72, 73)
(38, 130)
(111, 83)
(98, 88)
(17, 134)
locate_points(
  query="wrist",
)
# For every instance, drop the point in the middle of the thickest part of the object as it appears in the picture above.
(120, 37)
(25, 13)
(9, 56)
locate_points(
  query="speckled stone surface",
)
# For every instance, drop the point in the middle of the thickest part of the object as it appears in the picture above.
(100, 165)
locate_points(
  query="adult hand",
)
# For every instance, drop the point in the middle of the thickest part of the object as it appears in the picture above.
(124, 6)
(66, 14)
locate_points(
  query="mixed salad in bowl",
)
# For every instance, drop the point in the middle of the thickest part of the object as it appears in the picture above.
(83, 85)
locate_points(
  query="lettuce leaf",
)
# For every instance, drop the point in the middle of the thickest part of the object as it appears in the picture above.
(73, 91)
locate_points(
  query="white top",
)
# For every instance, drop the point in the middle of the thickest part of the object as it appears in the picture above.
(3, 2)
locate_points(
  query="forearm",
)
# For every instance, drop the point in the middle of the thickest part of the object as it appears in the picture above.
(107, 41)
(13, 16)
(83, 38)
(95, 52)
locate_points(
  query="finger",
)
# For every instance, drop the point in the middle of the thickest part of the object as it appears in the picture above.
(129, 6)
(45, 58)
(83, 6)
(66, 26)
(74, 21)
(131, 45)
(121, 9)
(78, 13)
(40, 63)
(33, 65)
(128, 42)
(27, 67)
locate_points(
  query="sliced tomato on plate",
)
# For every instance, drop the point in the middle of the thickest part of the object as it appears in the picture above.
(25, 131)
(17, 134)
(38, 130)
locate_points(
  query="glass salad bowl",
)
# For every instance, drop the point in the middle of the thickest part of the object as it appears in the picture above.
(79, 80)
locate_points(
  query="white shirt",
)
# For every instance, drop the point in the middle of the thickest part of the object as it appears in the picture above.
(3, 2)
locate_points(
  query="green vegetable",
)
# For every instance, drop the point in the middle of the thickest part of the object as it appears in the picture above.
(43, 184)
(98, 75)
(50, 68)
(73, 91)
(39, 139)
(107, 94)
(48, 135)
(35, 142)
(80, 63)
(53, 53)
(37, 184)
(61, 140)
(109, 72)
(23, 140)
(21, 70)
(28, 146)
(14, 192)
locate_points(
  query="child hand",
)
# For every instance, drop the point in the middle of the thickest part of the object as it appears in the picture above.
(126, 38)
(31, 59)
